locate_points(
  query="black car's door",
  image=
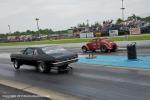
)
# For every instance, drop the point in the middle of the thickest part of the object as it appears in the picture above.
(36, 57)
(28, 56)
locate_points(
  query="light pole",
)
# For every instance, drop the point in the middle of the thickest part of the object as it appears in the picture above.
(123, 18)
(123, 8)
(87, 27)
(87, 22)
(9, 29)
(37, 23)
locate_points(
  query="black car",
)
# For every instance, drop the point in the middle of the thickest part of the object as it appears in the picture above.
(44, 58)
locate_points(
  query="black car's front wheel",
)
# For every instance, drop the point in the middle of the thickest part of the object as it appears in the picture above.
(43, 68)
(16, 64)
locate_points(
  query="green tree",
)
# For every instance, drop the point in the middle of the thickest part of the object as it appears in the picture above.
(119, 20)
(146, 18)
(134, 17)
(17, 33)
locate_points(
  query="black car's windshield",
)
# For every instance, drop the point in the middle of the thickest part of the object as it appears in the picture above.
(53, 50)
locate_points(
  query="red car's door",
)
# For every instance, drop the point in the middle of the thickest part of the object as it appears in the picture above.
(92, 45)
(98, 43)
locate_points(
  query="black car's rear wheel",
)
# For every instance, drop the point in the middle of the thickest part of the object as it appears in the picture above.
(43, 68)
(16, 64)
(63, 68)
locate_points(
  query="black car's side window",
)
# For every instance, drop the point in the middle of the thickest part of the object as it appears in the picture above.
(29, 52)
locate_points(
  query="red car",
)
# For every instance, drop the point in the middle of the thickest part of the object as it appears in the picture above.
(102, 43)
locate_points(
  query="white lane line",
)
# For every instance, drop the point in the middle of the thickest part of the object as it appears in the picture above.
(5, 55)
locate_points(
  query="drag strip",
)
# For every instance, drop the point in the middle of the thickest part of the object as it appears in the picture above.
(90, 82)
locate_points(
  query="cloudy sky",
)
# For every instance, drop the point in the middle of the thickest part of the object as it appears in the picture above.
(62, 14)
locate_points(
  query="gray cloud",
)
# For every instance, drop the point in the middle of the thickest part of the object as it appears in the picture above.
(62, 14)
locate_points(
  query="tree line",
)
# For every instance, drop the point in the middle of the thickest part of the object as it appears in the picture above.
(119, 20)
(50, 31)
(29, 32)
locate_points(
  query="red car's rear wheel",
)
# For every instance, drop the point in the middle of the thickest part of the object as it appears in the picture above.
(114, 48)
(104, 49)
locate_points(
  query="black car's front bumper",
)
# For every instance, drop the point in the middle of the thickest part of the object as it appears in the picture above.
(61, 63)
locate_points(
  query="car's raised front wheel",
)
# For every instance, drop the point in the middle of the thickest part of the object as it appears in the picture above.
(43, 68)
(16, 64)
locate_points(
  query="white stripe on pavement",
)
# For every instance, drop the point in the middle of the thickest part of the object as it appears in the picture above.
(5, 55)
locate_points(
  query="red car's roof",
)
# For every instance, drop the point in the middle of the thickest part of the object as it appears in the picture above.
(101, 38)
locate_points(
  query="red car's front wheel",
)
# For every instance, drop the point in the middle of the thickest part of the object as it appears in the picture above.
(84, 49)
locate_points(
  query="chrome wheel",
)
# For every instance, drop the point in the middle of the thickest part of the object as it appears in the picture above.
(16, 64)
(43, 68)
(84, 49)
(104, 49)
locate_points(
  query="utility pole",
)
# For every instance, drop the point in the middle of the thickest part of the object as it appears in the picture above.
(123, 8)
(87, 22)
(9, 29)
(37, 23)
(123, 18)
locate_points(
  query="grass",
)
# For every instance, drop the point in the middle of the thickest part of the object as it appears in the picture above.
(62, 41)
(131, 38)
(78, 40)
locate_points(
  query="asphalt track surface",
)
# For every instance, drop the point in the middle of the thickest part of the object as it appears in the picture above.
(9, 93)
(91, 82)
